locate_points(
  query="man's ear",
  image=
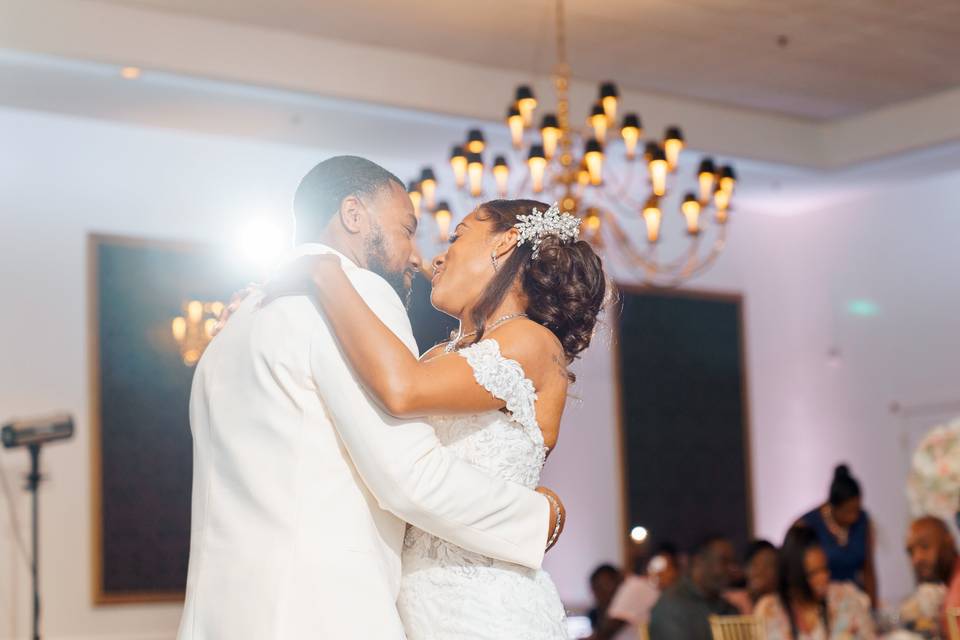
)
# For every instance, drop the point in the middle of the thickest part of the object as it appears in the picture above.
(352, 214)
(507, 242)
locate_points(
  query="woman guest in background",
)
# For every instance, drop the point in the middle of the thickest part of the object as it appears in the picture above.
(760, 569)
(807, 605)
(845, 532)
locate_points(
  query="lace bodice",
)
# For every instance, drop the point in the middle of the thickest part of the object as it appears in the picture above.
(449, 592)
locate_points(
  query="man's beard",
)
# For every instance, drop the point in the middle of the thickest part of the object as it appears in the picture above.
(375, 248)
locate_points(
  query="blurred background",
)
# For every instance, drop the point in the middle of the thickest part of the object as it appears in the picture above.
(774, 186)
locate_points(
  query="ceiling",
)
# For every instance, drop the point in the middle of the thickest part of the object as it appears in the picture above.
(817, 59)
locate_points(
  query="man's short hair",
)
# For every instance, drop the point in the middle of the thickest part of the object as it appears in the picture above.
(322, 190)
(704, 544)
(602, 569)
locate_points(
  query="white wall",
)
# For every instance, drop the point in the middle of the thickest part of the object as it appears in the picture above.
(61, 178)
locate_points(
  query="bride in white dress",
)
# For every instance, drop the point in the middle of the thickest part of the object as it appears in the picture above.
(527, 294)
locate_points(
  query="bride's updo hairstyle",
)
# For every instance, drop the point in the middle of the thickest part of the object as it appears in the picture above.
(564, 283)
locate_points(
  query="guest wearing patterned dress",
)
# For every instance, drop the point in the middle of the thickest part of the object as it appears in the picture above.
(846, 533)
(807, 605)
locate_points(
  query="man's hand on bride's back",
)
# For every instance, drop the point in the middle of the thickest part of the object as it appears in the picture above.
(556, 510)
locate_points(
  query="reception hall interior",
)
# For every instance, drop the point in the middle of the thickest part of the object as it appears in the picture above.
(774, 191)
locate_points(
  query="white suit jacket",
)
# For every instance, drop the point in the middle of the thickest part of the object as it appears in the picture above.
(301, 485)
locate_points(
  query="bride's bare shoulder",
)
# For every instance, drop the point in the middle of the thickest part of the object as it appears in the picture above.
(533, 345)
(435, 351)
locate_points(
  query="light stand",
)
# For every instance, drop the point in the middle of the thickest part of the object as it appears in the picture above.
(32, 434)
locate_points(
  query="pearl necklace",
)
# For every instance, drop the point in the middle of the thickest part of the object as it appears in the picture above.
(455, 342)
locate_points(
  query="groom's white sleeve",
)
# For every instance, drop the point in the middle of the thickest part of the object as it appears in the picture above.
(407, 469)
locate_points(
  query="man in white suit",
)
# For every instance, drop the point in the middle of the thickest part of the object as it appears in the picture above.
(302, 486)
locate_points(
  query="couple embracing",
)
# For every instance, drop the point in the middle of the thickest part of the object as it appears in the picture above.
(346, 488)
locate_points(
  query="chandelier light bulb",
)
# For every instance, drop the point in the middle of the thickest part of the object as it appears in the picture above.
(652, 216)
(475, 141)
(413, 189)
(598, 120)
(631, 131)
(515, 122)
(179, 328)
(428, 186)
(550, 131)
(458, 162)
(593, 156)
(501, 173)
(526, 103)
(728, 179)
(538, 164)
(583, 174)
(475, 171)
(442, 217)
(691, 211)
(673, 144)
(591, 221)
(706, 175)
(658, 171)
(608, 99)
(721, 198)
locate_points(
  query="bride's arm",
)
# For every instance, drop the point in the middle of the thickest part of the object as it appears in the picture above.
(401, 384)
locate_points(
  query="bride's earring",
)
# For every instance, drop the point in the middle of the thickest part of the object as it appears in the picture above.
(494, 261)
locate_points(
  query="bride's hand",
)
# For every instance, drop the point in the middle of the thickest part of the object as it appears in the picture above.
(235, 301)
(301, 277)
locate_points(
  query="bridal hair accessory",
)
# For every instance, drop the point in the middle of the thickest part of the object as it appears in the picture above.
(537, 225)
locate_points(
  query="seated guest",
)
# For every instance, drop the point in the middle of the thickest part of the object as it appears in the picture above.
(663, 570)
(807, 605)
(684, 609)
(760, 568)
(604, 582)
(936, 566)
(630, 608)
(845, 533)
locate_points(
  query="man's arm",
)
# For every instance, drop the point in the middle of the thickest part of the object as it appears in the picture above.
(407, 469)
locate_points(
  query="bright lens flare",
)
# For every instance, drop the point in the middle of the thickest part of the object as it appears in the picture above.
(261, 242)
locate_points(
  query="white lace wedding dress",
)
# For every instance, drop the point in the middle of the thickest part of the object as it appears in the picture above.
(448, 593)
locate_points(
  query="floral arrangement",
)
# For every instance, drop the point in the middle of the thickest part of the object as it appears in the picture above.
(933, 486)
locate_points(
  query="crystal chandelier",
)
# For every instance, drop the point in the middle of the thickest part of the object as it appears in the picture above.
(570, 165)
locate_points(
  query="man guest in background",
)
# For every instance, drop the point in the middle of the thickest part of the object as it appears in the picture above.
(683, 610)
(603, 584)
(936, 567)
(760, 569)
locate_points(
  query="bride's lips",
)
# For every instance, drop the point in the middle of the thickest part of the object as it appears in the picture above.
(436, 276)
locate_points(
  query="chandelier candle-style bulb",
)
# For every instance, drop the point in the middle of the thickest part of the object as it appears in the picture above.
(526, 103)
(428, 186)
(475, 141)
(475, 171)
(631, 131)
(458, 162)
(691, 211)
(652, 216)
(593, 156)
(515, 122)
(673, 144)
(591, 222)
(442, 216)
(658, 171)
(728, 179)
(706, 174)
(608, 98)
(537, 162)
(413, 189)
(721, 199)
(598, 120)
(501, 173)
(550, 131)
(583, 174)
